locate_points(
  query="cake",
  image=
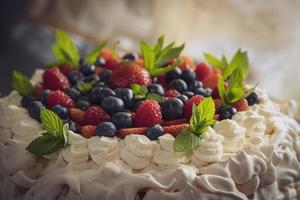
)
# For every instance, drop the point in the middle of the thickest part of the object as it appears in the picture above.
(149, 126)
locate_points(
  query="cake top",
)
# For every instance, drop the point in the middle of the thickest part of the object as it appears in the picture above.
(154, 93)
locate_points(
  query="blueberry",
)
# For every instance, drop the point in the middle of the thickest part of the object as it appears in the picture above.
(82, 104)
(100, 84)
(136, 104)
(173, 74)
(129, 56)
(72, 126)
(105, 76)
(84, 98)
(226, 112)
(112, 105)
(252, 99)
(183, 98)
(178, 84)
(188, 75)
(98, 94)
(61, 111)
(122, 120)
(44, 95)
(172, 109)
(126, 95)
(73, 93)
(87, 69)
(90, 78)
(156, 88)
(154, 132)
(206, 92)
(194, 85)
(26, 101)
(154, 79)
(34, 109)
(100, 62)
(74, 77)
(188, 94)
(106, 129)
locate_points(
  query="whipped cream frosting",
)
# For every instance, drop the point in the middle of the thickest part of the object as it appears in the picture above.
(137, 168)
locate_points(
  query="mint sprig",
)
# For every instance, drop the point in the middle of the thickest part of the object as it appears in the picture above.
(22, 84)
(239, 60)
(202, 118)
(157, 57)
(65, 50)
(85, 87)
(141, 92)
(94, 54)
(55, 137)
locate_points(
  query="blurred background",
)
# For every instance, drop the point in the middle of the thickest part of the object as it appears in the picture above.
(268, 30)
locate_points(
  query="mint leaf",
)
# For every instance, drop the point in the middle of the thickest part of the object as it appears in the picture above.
(66, 134)
(94, 54)
(22, 84)
(221, 89)
(155, 97)
(65, 50)
(148, 55)
(45, 144)
(114, 50)
(186, 141)
(213, 61)
(51, 122)
(168, 55)
(139, 91)
(85, 87)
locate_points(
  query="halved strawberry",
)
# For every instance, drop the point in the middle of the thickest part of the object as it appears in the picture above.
(187, 63)
(241, 105)
(211, 81)
(77, 116)
(88, 131)
(123, 132)
(173, 122)
(175, 129)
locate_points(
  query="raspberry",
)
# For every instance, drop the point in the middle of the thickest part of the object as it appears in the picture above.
(95, 115)
(202, 71)
(188, 107)
(65, 69)
(55, 80)
(148, 114)
(77, 116)
(171, 93)
(57, 97)
(88, 131)
(241, 105)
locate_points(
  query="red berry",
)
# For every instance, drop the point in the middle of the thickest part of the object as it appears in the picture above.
(95, 115)
(218, 104)
(38, 88)
(123, 132)
(148, 114)
(65, 69)
(175, 129)
(55, 80)
(171, 93)
(111, 63)
(161, 79)
(215, 93)
(217, 117)
(211, 81)
(88, 131)
(77, 116)
(128, 73)
(188, 107)
(202, 71)
(173, 122)
(241, 105)
(57, 97)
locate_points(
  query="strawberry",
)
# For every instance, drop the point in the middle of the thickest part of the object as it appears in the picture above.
(111, 63)
(65, 69)
(175, 129)
(123, 132)
(188, 107)
(148, 114)
(57, 97)
(173, 122)
(202, 71)
(211, 81)
(88, 131)
(241, 105)
(55, 80)
(140, 62)
(38, 88)
(218, 104)
(187, 63)
(171, 93)
(106, 53)
(95, 115)
(77, 116)
(128, 73)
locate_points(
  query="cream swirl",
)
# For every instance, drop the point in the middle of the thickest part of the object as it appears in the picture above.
(138, 151)
(165, 154)
(234, 135)
(103, 149)
(209, 150)
(77, 150)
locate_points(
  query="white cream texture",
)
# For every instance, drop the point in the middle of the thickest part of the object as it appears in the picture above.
(95, 168)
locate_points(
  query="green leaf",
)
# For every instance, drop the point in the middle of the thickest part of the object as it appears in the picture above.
(114, 49)
(139, 91)
(148, 55)
(155, 97)
(94, 54)
(64, 49)
(221, 89)
(162, 70)
(186, 141)
(45, 144)
(168, 55)
(159, 45)
(66, 134)
(22, 84)
(85, 87)
(51, 122)
(213, 61)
